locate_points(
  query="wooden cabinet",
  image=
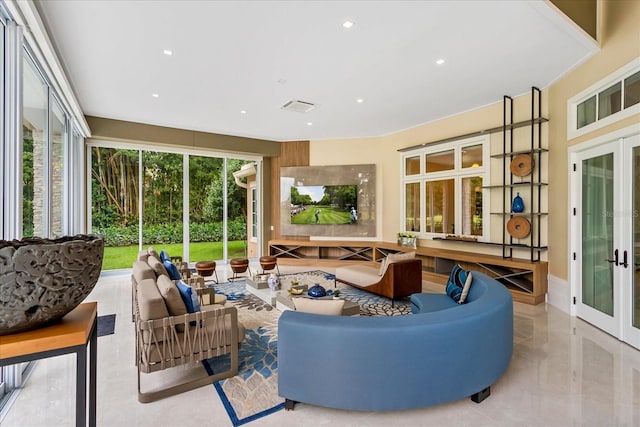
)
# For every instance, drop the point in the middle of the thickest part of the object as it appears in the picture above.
(527, 280)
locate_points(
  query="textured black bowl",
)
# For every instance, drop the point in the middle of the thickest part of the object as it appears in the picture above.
(41, 280)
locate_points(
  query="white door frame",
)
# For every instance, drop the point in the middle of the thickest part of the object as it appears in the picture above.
(574, 223)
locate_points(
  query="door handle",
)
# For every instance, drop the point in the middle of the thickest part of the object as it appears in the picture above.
(615, 258)
(624, 263)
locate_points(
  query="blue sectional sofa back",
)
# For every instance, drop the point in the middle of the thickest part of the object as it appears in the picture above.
(401, 362)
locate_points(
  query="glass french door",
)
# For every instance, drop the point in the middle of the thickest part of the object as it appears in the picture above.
(608, 229)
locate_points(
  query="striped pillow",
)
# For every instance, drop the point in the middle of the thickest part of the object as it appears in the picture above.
(459, 284)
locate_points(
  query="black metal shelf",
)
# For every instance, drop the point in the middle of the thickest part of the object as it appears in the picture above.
(520, 213)
(518, 184)
(515, 153)
(535, 184)
(510, 126)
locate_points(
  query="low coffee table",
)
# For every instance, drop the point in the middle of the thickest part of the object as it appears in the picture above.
(284, 301)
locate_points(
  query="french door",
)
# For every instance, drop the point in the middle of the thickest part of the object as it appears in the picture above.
(607, 227)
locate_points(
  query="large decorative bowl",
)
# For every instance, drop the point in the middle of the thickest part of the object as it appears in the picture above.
(41, 280)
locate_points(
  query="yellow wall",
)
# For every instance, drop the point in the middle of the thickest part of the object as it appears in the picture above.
(620, 43)
(384, 153)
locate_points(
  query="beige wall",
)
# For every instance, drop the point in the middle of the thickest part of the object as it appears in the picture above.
(384, 153)
(620, 43)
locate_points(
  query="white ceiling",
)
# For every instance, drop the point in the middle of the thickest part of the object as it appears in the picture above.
(255, 56)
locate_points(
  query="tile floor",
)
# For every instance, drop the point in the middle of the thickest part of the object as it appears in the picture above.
(564, 372)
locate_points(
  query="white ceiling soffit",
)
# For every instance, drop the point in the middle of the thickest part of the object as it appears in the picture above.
(234, 64)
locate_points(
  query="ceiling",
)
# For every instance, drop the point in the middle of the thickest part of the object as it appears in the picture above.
(255, 56)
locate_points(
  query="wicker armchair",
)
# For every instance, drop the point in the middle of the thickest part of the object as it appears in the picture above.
(159, 346)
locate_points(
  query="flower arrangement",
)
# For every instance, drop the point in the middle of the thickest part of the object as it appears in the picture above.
(407, 238)
(408, 234)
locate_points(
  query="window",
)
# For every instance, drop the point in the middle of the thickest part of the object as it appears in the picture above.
(614, 98)
(185, 203)
(443, 194)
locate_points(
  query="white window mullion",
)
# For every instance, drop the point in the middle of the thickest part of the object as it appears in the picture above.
(186, 208)
(12, 176)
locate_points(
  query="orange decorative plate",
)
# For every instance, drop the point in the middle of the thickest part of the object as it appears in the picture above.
(521, 165)
(519, 227)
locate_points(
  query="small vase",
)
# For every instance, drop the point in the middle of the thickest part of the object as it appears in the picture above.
(273, 282)
(317, 291)
(518, 204)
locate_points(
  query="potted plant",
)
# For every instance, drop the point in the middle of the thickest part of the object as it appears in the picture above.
(407, 238)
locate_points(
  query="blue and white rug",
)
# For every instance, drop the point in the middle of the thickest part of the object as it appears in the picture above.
(253, 393)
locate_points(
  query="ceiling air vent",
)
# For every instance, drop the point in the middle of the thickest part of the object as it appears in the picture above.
(298, 106)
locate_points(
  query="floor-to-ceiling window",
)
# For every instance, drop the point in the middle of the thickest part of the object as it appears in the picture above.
(115, 191)
(42, 132)
(35, 150)
(206, 175)
(190, 204)
(162, 201)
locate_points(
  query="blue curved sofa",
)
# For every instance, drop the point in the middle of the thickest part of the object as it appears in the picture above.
(442, 353)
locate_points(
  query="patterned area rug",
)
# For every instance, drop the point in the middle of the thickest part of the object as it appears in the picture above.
(253, 393)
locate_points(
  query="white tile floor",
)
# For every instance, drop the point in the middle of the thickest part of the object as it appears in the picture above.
(563, 372)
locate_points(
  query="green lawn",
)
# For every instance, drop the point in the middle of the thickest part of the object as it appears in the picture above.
(123, 256)
(327, 215)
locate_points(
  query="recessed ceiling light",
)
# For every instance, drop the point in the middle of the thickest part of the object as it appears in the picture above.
(359, 100)
(155, 95)
(243, 111)
(309, 124)
(347, 24)
(440, 61)
(167, 52)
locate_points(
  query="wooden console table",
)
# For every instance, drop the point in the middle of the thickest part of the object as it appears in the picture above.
(72, 334)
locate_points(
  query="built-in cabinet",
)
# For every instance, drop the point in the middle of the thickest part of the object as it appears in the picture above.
(527, 280)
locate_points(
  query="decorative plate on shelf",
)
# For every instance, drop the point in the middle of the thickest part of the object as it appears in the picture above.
(521, 165)
(519, 227)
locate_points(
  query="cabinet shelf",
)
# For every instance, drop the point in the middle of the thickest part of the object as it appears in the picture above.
(518, 184)
(520, 213)
(515, 153)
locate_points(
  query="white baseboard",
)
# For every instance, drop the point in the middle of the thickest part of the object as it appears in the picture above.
(559, 293)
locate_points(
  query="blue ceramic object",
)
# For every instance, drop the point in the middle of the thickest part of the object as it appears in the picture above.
(317, 291)
(518, 204)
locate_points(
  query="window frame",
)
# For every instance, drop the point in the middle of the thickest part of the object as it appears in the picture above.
(458, 173)
(596, 89)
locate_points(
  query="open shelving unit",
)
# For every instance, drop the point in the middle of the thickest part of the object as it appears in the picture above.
(531, 184)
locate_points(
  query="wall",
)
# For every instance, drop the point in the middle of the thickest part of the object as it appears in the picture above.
(620, 43)
(384, 153)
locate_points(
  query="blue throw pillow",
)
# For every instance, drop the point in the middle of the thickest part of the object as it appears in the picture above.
(172, 270)
(164, 256)
(189, 296)
(458, 284)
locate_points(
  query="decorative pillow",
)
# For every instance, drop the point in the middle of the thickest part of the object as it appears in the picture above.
(319, 306)
(164, 256)
(458, 284)
(157, 266)
(172, 270)
(393, 258)
(152, 252)
(171, 295)
(189, 296)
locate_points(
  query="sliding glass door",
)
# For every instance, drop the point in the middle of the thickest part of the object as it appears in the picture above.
(187, 204)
